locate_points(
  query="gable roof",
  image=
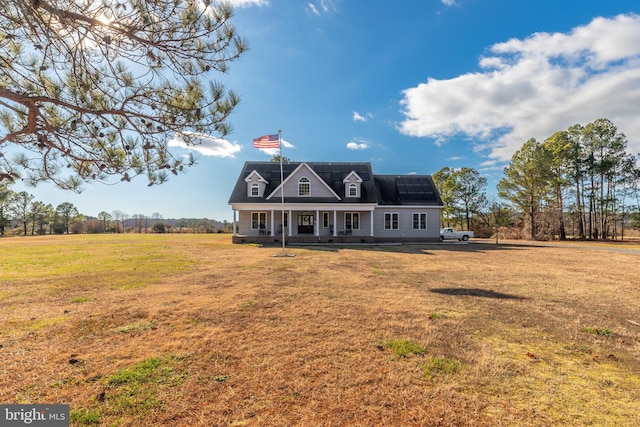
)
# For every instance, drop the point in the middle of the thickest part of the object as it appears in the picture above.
(300, 167)
(376, 189)
(256, 174)
(348, 177)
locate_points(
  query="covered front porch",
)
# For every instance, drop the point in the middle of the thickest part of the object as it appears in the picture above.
(303, 225)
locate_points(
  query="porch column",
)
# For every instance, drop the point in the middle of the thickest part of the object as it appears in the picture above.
(316, 225)
(335, 223)
(371, 213)
(291, 223)
(234, 223)
(273, 230)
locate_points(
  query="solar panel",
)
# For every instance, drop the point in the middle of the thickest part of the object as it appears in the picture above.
(415, 189)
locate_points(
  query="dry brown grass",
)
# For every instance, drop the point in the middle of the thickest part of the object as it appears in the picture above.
(192, 330)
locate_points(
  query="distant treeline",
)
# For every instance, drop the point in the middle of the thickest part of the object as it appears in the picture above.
(21, 214)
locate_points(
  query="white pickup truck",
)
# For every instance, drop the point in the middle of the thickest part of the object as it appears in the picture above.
(451, 234)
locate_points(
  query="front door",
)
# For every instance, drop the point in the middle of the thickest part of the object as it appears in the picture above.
(305, 224)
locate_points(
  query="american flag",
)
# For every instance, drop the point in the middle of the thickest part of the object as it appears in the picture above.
(267, 141)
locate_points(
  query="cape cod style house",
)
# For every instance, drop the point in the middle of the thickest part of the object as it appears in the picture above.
(332, 202)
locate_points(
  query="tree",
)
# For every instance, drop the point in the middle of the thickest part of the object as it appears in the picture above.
(140, 222)
(21, 206)
(497, 215)
(628, 180)
(587, 163)
(50, 216)
(277, 157)
(77, 224)
(105, 217)
(560, 148)
(526, 181)
(91, 90)
(39, 215)
(94, 226)
(462, 191)
(119, 218)
(606, 148)
(446, 185)
(470, 192)
(6, 195)
(66, 212)
(577, 173)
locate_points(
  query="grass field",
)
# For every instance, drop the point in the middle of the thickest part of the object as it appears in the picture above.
(190, 330)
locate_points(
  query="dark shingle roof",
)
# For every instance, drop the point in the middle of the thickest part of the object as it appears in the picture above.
(406, 190)
(381, 189)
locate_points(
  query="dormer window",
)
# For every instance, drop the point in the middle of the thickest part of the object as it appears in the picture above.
(304, 187)
(256, 184)
(352, 185)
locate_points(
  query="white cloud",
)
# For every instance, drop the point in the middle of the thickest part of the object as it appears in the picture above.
(313, 9)
(357, 117)
(491, 165)
(448, 2)
(247, 3)
(322, 6)
(205, 145)
(358, 144)
(534, 87)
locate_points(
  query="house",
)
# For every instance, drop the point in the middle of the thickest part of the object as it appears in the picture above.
(331, 203)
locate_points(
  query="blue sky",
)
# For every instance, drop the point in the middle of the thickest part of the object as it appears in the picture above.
(411, 86)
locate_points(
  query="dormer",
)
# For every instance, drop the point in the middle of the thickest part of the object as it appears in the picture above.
(256, 184)
(352, 186)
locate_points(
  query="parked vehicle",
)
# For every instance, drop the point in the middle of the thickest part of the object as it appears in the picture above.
(450, 234)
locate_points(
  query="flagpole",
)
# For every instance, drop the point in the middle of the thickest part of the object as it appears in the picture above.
(282, 189)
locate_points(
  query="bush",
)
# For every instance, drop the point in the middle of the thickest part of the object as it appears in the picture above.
(158, 227)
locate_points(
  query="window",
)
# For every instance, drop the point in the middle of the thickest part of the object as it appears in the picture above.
(255, 190)
(353, 190)
(390, 221)
(419, 221)
(304, 188)
(258, 220)
(352, 220)
(325, 219)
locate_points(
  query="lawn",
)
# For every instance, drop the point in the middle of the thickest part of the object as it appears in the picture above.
(190, 330)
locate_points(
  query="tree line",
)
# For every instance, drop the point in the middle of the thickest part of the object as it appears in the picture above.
(21, 214)
(579, 183)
